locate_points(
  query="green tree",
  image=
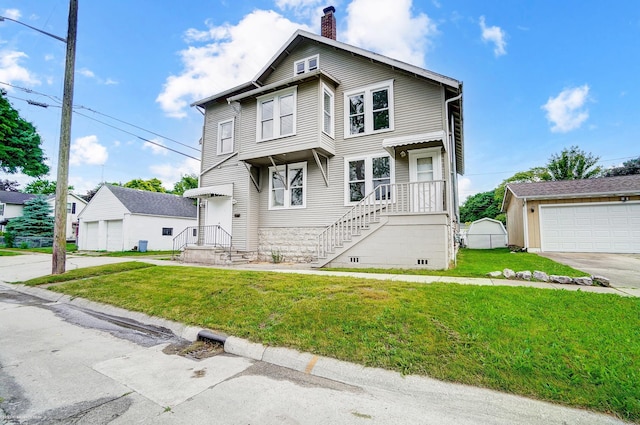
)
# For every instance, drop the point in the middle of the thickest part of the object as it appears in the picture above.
(535, 174)
(20, 143)
(151, 185)
(42, 187)
(479, 206)
(188, 181)
(573, 164)
(37, 220)
(629, 167)
(9, 185)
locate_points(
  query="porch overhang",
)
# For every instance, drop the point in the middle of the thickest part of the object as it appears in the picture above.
(403, 143)
(287, 157)
(209, 191)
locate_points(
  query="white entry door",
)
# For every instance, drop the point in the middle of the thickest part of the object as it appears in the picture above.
(424, 171)
(220, 211)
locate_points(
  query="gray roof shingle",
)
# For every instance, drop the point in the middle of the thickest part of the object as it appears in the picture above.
(603, 186)
(154, 203)
(16, 198)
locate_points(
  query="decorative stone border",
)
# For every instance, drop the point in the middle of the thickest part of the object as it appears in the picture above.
(543, 277)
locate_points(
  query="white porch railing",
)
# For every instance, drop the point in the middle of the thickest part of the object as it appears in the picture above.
(399, 198)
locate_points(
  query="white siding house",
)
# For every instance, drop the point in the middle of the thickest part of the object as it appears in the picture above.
(334, 155)
(12, 205)
(75, 205)
(118, 218)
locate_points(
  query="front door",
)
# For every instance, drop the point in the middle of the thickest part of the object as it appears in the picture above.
(219, 212)
(425, 174)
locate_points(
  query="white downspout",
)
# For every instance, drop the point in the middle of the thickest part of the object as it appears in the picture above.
(454, 171)
(526, 225)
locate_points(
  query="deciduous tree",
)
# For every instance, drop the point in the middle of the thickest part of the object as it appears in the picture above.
(188, 181)
(573, 164)
(20, 143)
(629, 167)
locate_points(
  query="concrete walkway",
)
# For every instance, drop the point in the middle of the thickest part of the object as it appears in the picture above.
(161, 389)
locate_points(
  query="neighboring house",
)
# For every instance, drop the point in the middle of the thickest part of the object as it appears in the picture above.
(590, 215)
(486, 233)
(118, 218)
(336, 154)
(12, 205)
(75, 205)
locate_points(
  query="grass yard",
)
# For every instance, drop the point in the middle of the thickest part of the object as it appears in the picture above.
(7, 253)
(71, 247)
(479, 262)
(575, 348)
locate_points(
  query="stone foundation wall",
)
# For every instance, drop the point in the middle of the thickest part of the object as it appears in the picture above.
(289, 244)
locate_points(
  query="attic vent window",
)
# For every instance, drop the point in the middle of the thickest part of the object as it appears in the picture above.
(306, 65)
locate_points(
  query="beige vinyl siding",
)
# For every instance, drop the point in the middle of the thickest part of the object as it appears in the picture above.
(216, 113)
(533, 218)
(515, 224)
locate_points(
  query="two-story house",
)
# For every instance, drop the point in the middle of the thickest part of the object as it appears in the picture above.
(75, 205)
(332, 154)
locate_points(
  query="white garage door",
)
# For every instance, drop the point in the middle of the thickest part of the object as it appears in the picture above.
(114, 235)
(611, 227)
(91, 238)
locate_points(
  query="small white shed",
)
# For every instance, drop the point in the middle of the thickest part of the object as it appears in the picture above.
(486, 233)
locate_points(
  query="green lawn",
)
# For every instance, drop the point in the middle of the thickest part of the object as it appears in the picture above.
(71, 247)
(575, 348)
(479, 262)
(7, 253)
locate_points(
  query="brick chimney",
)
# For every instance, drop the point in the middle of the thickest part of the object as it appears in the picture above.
(328, 23)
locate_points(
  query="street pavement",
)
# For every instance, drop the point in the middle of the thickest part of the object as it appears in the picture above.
(59, 367)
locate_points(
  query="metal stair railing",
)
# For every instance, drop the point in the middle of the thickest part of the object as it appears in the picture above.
(398, 198)
(213, 235)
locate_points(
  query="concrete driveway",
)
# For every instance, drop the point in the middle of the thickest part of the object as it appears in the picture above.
(623, 270)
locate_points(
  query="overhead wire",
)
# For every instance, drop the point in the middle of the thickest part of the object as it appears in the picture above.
(56, 99)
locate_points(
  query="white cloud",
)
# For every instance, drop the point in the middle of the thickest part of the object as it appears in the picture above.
(85, 72)
(11, 71)
(12, 14)
(172, 172)
(465, 189)
(233, 56)
(495, 35)
(566, 111)
(391, 30)
(87, 150)
(157, 147)
(305, 9)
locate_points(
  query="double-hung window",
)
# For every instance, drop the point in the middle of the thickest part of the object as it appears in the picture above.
(369, 109)
(366, 174)
(288, 186)
(277, 115)
(225, 137)
(306, 65)
(328, 109)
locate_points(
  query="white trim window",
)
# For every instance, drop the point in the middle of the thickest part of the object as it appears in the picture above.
(225, 136)
(363, 174)
(328, 110)
(277, 114)
(306, 65)
(288, 186)
(369, 109)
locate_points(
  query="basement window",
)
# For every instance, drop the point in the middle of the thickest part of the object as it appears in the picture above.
(167, 231)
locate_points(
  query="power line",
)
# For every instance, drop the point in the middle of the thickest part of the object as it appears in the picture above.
(46, 105)
(56, 99)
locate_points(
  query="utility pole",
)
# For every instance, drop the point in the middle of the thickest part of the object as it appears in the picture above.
(59, 259)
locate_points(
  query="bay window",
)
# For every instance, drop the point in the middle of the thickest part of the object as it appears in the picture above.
(276, 115)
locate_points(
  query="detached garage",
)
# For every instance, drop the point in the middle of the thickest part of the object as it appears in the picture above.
(118, 218)
(590, 215)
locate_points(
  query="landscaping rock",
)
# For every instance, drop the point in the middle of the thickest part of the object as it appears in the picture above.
(538, 275)
(560, 279)
(494, 274)
(601, 280)
(508, 273)
(584, 281)
(525, 275)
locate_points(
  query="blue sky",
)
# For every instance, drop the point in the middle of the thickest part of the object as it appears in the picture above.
(538, 76)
